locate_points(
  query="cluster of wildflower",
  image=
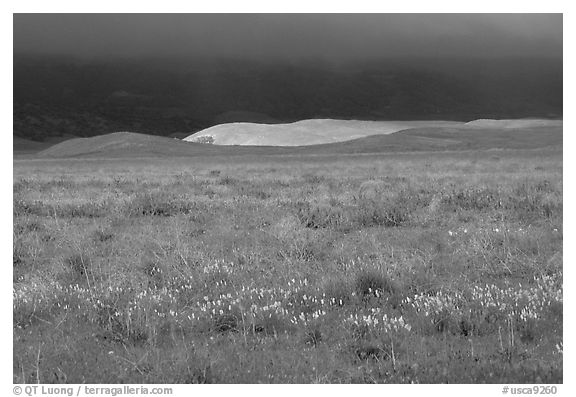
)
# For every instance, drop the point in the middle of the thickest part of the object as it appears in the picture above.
(35, 291)
(434, 305)
(219, 267)
(152, 304)
(181, 302)
(492, 230)
(35, 296)
(513, 231)
(456, 232)
(377, 320)
(291, 303)
(177, 301)
(559, 347)
(522, 303)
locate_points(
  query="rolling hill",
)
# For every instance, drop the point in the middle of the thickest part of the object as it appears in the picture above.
(125, 144)
(131, 144)
(23, 145)
(323, 131)
(513, 123)
(305, 132)
(438, 138)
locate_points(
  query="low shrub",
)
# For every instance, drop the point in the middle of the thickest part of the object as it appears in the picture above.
(473, 199)
(370, 282)
(80, 265)
(320, 215)
(390, 210)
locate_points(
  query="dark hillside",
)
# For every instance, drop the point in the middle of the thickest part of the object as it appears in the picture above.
(57, 96)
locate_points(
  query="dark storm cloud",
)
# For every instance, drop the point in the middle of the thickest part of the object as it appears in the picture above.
(327, 36)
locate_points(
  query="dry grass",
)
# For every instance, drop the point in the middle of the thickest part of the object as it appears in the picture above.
(441, 267)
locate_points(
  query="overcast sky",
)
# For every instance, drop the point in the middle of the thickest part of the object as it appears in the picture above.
(293, 36)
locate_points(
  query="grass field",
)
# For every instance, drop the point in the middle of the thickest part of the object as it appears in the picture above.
(395, 268)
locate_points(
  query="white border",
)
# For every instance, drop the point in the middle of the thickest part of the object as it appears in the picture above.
(355, 6)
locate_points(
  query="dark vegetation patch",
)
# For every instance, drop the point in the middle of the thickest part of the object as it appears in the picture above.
(158, 203)
(103, 236)
(371, 282)
(59, 209)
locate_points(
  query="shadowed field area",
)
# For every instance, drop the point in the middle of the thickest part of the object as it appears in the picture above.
(422, 267)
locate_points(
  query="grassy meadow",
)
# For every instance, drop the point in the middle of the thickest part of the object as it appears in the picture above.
(394, 268)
